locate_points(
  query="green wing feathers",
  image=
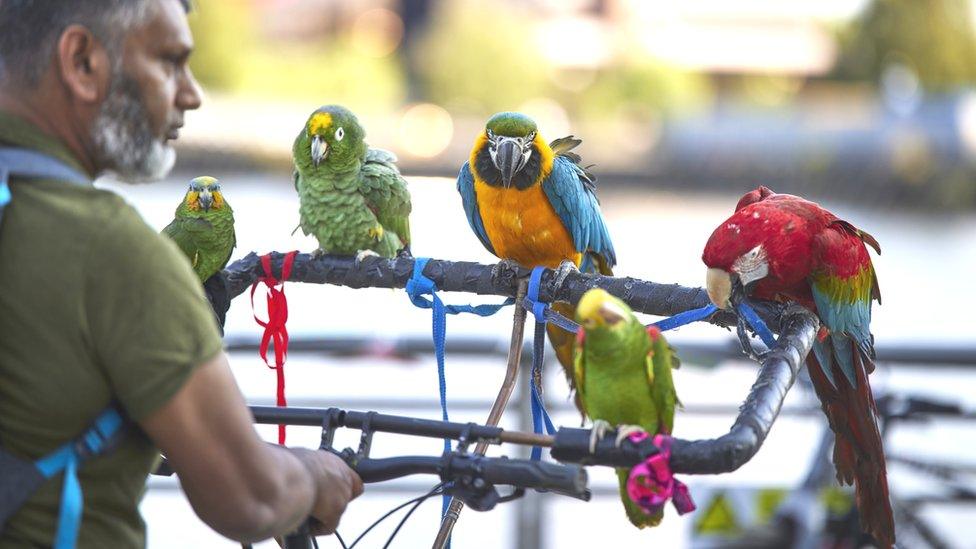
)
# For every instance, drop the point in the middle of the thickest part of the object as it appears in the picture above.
(387, 197)
(661, 360)
(207, 243)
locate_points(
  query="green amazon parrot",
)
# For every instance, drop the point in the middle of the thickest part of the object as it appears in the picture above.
(622, 371)
(352, 198)
(204, 227)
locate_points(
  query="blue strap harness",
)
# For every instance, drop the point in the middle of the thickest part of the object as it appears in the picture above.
(419, 286)
(543, 314)
(105, 431)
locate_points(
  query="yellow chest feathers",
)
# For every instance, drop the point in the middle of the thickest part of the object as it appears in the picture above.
(523, 226)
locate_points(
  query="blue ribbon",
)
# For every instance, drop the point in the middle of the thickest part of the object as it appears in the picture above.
(686, 317)
(757, 324)
(541, 311)
(539, 413)
(419, 286)
(543, 315)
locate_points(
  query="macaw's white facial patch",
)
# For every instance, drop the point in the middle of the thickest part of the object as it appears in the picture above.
(752, 265)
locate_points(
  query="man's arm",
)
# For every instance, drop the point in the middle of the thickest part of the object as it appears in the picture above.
(239, 485)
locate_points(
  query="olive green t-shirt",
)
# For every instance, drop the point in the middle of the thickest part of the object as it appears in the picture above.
(95, 306)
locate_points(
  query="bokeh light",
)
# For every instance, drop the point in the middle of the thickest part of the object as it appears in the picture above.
(549, 115)
(377, 32)
(425, 130)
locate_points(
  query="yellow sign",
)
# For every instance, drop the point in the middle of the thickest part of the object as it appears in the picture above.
(718, 518)
(767, 502)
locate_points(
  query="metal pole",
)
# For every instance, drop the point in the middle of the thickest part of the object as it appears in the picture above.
(495, 415)
(529, 533)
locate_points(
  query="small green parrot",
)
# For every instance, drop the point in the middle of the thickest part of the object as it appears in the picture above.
(352, 198)
(204, 227)
(623, 378)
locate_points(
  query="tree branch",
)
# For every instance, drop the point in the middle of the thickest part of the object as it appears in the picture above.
(464, 276)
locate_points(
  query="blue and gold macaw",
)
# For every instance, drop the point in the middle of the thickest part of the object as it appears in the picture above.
(531, 202)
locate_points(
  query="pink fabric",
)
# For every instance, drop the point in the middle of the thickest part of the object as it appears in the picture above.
(651, 483)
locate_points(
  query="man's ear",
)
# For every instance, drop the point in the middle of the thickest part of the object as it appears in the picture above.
(83, 64)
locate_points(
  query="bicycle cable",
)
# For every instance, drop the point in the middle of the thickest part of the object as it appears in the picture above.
(405, 517)
(436, 490)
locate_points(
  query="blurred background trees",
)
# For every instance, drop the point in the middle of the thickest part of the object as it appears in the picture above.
(930, 39)
(869, 94)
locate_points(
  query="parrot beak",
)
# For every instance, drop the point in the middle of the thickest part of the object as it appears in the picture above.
(205, 199)
(319, 149)
(719, 285)
(509, 158)
(598, 308)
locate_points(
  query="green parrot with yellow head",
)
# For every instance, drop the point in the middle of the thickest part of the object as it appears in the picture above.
(623, 379)
(204, 227)
(352, 198)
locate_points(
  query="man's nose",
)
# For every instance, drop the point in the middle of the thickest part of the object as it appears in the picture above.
(190, 95)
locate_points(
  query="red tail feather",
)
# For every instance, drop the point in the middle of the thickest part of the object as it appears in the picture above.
(858, 451)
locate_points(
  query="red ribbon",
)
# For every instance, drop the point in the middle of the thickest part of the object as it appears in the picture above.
(274, 327)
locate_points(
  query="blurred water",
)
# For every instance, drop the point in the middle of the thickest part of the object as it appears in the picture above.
(658, 236)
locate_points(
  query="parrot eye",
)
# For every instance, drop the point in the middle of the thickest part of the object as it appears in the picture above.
(339, 134)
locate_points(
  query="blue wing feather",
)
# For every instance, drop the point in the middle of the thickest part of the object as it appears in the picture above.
(848, 323)
(579, 211)
(465, 186)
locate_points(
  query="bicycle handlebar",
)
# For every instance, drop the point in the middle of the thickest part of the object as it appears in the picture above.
(521, 473)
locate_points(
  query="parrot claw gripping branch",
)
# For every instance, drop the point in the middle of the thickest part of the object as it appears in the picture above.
(797, 328)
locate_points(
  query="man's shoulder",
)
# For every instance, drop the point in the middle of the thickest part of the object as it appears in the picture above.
(71, 203)
(125, 235)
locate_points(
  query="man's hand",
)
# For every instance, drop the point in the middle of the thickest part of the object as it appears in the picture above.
(335, 486)
(240, 486)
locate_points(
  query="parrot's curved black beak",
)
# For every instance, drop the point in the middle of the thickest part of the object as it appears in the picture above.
(319, 149)
(509, 158)
(205, 199)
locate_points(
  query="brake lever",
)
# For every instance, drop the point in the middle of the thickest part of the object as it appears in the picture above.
(476, 493)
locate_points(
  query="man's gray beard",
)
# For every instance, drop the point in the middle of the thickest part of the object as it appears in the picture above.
(123, 140)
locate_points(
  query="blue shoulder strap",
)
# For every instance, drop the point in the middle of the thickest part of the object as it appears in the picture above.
(104, 432)
(20, 479)
(100, 437)
(33, 165)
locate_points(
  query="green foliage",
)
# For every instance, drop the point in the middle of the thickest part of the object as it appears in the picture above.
(222, 33)
(332, 72)
(481, 57)
(232, 55)
(640, 84)
(932, 37)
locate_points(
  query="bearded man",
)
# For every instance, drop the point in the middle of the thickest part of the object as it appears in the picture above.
(98, 312)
